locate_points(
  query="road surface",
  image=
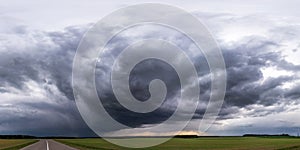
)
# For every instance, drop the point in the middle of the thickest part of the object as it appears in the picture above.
(48, 145)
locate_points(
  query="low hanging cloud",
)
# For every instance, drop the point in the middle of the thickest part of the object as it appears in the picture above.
(36, 93)
(36, 70)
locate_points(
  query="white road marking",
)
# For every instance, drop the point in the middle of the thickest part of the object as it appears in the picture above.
(47, 145)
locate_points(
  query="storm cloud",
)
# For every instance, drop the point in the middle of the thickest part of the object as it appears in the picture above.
(36, 93)
(36, 72)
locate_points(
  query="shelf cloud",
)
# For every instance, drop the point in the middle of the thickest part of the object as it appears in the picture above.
(260, 52)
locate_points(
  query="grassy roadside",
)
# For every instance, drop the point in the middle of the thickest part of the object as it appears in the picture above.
(88, 145)
(207, 143)
(7, 144)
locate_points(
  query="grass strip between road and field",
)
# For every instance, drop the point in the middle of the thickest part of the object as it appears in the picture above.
(297, 147)
(19, 146)
(85, 147)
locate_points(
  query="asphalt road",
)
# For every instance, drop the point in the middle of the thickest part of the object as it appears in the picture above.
(48, 145)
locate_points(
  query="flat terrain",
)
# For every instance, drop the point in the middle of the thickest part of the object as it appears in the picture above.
(48, 145)
(205, 143)
(14, 144)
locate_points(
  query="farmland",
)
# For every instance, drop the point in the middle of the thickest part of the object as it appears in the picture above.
(205, 143)
(14, 144)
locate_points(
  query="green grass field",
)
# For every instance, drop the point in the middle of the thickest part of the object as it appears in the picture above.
(263, 143)
(14, 144)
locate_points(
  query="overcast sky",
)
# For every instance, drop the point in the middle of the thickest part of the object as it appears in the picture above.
(259, 41)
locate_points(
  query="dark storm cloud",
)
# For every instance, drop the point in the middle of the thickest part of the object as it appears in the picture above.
(140, 77)
(42, 119)
(48, 61)
(246, 84)
(45, 58)
(245, 81)
(35, 83)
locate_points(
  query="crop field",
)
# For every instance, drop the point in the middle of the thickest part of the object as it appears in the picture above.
(205, 143)
(14, 144)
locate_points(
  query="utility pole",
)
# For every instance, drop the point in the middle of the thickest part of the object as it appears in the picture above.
(298, 132)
